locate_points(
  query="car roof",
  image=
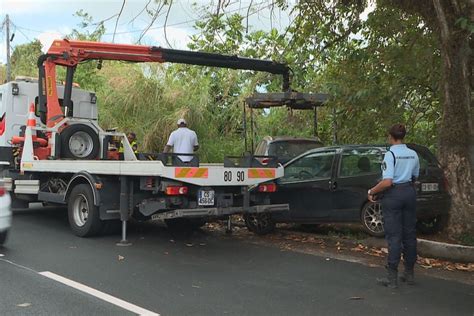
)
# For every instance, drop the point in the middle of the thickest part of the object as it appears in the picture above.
(289, 138)
(383, 147)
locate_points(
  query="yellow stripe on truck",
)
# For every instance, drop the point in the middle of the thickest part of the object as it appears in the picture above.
(192, 172)
(261, 173)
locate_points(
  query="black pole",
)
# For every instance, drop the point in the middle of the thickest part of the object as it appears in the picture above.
(244, 123)
(68, 89)
(251, 130)
(315, 121)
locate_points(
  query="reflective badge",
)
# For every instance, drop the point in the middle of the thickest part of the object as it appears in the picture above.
(384, 166)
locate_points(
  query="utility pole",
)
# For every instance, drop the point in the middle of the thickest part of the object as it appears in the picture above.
(7, 25)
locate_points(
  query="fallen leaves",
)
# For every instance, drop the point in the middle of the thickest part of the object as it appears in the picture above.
(429, 263)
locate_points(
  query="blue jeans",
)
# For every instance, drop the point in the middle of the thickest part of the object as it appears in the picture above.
(399, 215)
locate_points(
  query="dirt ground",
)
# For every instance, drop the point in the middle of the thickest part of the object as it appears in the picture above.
(343, 242)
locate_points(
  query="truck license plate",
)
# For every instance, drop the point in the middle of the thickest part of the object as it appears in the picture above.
(206, 197)
(429, 187)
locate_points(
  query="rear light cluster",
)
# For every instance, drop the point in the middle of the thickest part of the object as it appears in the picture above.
(2, 190)
(268, 187)
(176, 190)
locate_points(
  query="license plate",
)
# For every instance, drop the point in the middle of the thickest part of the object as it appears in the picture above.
(429, 187)
(206, 197)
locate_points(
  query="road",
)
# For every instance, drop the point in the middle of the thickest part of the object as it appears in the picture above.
(201, 274)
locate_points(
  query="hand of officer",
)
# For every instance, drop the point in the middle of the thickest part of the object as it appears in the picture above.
(371, 197)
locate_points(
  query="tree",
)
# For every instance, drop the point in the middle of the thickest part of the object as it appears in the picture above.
(24, 59)
(329, 26)
(454, 22)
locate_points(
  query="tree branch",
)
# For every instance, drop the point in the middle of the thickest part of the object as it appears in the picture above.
(118, 18)
(166, 21)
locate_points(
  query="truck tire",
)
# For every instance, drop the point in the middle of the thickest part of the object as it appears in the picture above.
(84, 217)
(260, 224)
(3, 237)
(79, 141)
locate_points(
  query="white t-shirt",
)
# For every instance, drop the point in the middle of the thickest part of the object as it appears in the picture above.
(183, 141)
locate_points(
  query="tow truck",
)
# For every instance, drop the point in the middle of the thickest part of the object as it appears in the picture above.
(62, 156)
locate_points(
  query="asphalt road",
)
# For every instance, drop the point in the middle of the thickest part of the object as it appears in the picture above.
(196, 275)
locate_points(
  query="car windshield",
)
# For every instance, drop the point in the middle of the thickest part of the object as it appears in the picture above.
(290, 149)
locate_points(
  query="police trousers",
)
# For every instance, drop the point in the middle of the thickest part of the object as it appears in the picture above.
(399, 215)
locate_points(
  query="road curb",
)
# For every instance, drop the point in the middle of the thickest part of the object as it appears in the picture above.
(434, 249)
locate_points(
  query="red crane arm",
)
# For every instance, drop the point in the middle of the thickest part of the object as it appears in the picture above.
(70, 53)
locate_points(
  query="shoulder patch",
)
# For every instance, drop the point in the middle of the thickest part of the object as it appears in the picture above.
(384, 166)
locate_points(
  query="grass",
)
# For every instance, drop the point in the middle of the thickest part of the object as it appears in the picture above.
(466, 239)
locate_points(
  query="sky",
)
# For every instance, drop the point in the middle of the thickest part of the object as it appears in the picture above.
(47, 20)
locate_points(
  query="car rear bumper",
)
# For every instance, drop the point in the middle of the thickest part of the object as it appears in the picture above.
(430, 206)
(219, 211)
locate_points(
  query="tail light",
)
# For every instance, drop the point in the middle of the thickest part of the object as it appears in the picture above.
(268, 187)
(265, 161)
(2, 190)
(176, 190)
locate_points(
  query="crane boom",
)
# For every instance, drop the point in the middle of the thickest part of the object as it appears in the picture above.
(70, 53)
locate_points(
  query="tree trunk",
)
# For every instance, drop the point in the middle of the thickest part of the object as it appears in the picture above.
(456, 145)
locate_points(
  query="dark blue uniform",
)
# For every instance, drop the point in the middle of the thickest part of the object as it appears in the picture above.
(400, 164)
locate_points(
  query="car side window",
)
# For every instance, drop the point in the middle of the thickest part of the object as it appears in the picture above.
(359, 162)
(317, 166)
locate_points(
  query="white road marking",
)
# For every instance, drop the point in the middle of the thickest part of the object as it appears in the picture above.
(101, 295)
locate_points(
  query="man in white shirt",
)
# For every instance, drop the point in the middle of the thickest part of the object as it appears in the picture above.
(182, 141)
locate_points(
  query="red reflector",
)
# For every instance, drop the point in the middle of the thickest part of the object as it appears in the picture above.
(265, 161)
(269, 187)
(176, 190)
(2, 191)
(2, 124)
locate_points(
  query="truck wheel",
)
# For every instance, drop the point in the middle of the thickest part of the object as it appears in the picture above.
(260, 224)
(372, 219)
(3, 237)
(432, 225)
(82, 213)
(79, 141)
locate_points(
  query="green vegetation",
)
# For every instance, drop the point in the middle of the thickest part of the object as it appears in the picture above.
(395, 65)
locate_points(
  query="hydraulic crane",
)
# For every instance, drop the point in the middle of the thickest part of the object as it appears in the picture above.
(69, 53)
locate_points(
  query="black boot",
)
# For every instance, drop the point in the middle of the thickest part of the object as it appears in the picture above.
(408, 276)
(391, 281)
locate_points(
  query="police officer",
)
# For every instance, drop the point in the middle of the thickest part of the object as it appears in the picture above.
(400, 168)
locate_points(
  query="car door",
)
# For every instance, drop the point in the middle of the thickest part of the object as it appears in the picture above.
(358, 171)
(306, 186)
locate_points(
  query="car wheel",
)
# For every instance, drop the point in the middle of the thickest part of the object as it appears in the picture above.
(83, 215)
(372, 219)
(3, 237)
(432, 225)
(259, 224)
(79, 141)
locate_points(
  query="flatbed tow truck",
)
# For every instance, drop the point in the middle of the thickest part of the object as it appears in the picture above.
(63, 156)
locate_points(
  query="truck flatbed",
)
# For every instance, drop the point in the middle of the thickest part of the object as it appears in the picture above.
(203, 175)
